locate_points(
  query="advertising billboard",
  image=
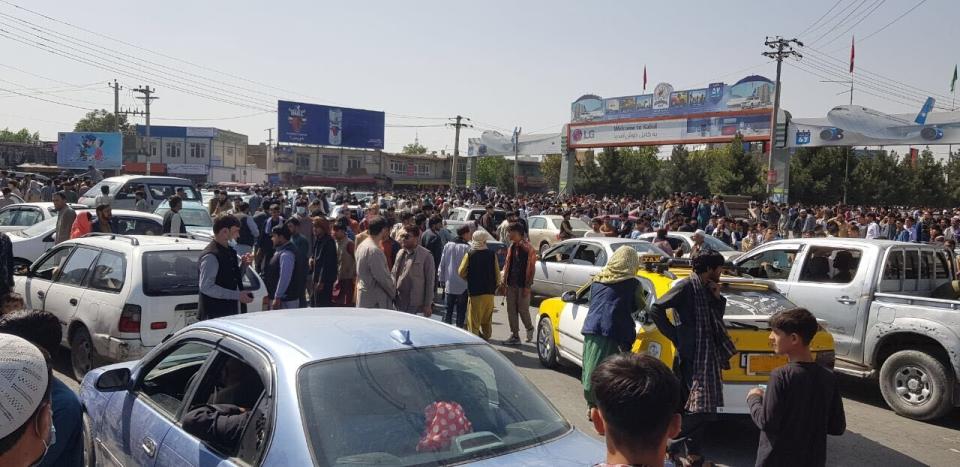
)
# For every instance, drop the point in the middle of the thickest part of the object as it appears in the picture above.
(323, 125)
(668, 116)
(854, 125)
(79, 150)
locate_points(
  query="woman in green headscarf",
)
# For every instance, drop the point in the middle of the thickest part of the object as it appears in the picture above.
(609, 328)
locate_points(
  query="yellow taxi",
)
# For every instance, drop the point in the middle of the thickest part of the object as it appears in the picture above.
(750, 303)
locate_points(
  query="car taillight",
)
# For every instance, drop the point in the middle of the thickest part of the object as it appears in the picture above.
(826, 358)
(129, 319)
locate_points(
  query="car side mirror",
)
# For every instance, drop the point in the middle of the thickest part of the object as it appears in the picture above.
(569, 296)
(48, 239)
(113, 380)
(21, 270)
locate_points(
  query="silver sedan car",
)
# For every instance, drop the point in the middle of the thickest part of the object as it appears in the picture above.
(571, 263)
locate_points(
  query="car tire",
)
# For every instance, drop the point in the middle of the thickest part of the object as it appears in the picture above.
(83, 355)
(89, 453)
(917, 385)
(546, 344)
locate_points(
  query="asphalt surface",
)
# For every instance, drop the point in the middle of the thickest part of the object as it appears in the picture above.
(875, 435)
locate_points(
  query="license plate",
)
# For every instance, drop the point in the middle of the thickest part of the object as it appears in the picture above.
(764, 363)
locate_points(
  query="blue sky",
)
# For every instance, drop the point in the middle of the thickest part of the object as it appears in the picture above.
(499, 63)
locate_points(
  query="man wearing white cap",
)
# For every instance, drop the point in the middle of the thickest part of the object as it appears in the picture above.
(26, 418)
(698, 238)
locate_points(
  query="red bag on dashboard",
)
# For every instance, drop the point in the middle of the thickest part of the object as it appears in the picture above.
(444, 422)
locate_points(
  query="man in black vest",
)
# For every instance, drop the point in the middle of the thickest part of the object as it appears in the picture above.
(221, 274)
(266, 249)
(248, 229)
(286, 274)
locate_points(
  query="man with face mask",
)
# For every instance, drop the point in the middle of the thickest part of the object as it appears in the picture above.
(221, 274)
(26, 414)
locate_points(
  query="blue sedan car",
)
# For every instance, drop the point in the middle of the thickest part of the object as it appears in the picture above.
(332, 386)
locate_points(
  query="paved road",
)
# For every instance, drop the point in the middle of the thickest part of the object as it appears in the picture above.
(875, 435)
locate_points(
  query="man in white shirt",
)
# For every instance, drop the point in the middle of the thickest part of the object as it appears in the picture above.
(873, 229)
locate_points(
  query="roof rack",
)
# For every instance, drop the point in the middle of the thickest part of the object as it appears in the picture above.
(113, 236)
(182, 235)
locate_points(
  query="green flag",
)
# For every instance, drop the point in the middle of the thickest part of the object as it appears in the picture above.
(953, 82)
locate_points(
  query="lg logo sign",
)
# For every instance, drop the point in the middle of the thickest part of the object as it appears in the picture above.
(579, 135)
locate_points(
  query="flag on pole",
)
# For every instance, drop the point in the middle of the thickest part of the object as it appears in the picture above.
(645, 77)
(953, 82)
(851, 53)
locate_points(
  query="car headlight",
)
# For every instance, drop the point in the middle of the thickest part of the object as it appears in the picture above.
(654, 349)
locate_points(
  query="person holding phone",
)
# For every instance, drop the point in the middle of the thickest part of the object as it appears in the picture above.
(221, 273)
(703, 349)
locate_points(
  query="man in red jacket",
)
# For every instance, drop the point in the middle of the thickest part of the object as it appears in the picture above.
(518, 272)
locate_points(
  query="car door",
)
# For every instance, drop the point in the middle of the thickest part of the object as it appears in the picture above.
(571, 323)
(587, 261)
(180, 448)
(139, 419)
(535, 232)
(42, 274)
(65, 295)
(549, 276)
(835, 296)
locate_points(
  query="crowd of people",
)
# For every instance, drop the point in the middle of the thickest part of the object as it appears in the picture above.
(396, 253)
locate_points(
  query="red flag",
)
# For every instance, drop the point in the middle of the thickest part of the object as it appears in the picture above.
(644, 77)
(851, 54)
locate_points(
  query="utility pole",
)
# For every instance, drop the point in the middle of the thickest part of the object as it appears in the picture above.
(146, 91)
(456, 147)
(516, 161)
(782, 48)
(116, 104)
(270, 149)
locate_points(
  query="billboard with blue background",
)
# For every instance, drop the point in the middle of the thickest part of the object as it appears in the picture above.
(323, 125)
(751, 92)
(79, 150)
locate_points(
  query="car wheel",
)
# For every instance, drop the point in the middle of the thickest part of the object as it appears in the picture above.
(917, 385)
(89, 453)
(543, 248)
(546, 344)
(83, 356)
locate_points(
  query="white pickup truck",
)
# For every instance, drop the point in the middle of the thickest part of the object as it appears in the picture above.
(875, 296)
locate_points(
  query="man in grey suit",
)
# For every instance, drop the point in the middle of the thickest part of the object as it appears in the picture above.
(65, 217)
(376, 288)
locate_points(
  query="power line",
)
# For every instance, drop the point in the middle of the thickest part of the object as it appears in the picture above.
(840, 23)
(824, 55)
(869, 84)
(806, 68)
(877, 85)
(878, 4)
(194, 119)
(161, 54)
(44, 99)
(827, 22)
(878, 31)
(835, 5)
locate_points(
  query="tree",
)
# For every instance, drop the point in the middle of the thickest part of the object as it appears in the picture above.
(414, 148)
(876, 180)
(22, 136)
(495, 171)
(684, 172)
(736, 172)
(816, 174)
(102, 121)
(550, 168)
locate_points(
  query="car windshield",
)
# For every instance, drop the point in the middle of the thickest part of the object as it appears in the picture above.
(39, 228)
(716, 244)
(168, 273)
(644, 248)
(191, 217)
(382, 404)
(575, 224)
(749, 300)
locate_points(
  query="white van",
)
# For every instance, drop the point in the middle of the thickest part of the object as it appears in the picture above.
(156, 189)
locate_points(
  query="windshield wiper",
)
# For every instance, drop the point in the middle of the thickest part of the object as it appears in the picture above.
(742, 325)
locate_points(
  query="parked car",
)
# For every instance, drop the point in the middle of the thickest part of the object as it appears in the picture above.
(19, 216)
(874, 296)
(389, 368)
(119, 296)
(571, 263)
(472, 214)
(28, 244)
(684, 241)
(156, 190)
(543, 230)
(749, 306)
(195, 216)
(356, 212)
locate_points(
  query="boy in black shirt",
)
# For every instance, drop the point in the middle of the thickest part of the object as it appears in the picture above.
(801, 404)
